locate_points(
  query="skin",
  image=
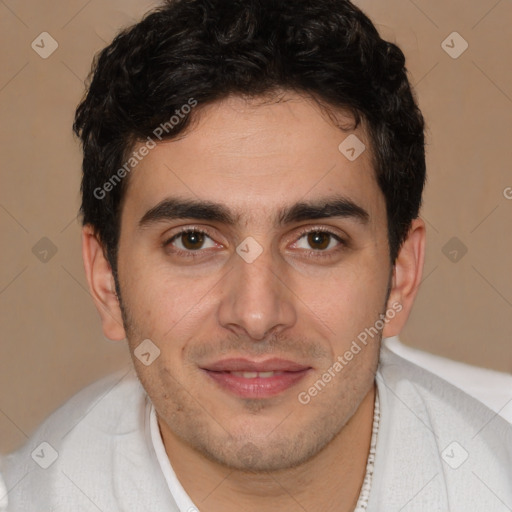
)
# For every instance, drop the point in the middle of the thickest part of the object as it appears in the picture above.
(255, 158)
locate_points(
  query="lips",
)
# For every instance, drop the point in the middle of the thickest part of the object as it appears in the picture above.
(256, 379)
(246, 365)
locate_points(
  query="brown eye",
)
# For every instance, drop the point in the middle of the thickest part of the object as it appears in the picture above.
(191, 245)
(192, 240)
(319, 240)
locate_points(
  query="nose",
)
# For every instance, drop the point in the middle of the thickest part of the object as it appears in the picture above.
(256, 300)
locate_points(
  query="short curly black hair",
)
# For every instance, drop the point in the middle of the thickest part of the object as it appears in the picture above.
(209, 49)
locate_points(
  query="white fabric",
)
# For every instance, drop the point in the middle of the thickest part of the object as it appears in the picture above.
(181, 498)
(492, 388)
(111, 457)
(3, 495)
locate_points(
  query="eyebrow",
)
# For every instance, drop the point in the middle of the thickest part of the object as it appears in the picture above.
(173, 208)
(335, 207)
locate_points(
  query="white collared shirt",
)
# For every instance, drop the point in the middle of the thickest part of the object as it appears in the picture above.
(438, 450)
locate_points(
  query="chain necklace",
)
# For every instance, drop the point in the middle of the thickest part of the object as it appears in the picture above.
(364, 495)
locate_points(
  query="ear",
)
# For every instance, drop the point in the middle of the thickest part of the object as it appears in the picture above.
(101, 285)
(406, 279)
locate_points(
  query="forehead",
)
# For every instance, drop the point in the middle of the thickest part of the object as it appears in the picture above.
(256, 156)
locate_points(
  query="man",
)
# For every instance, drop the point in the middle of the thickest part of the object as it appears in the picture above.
(252, 179)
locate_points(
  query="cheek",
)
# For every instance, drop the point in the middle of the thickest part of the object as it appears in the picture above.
(349, 298)
(165, 305)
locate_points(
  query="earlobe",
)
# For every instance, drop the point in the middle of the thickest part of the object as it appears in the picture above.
(101, 285)
(406, 279)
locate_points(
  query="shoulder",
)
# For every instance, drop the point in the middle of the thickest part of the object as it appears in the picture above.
(76, 440)
(432, 427)
(492, 388)
(434, 394)
(101, 404)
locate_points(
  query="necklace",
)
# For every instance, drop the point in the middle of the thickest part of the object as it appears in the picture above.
(364, 495)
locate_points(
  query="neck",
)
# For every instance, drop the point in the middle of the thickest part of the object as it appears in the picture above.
(330, 481)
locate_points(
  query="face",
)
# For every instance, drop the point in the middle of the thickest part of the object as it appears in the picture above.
(252, 254)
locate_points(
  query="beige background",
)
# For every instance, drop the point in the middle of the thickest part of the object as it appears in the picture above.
(52, 344)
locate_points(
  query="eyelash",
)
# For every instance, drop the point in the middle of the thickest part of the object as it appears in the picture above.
(187, 254)
(325, 253)
(312, 253)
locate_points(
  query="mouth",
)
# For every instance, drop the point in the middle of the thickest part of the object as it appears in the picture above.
(252, 379)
